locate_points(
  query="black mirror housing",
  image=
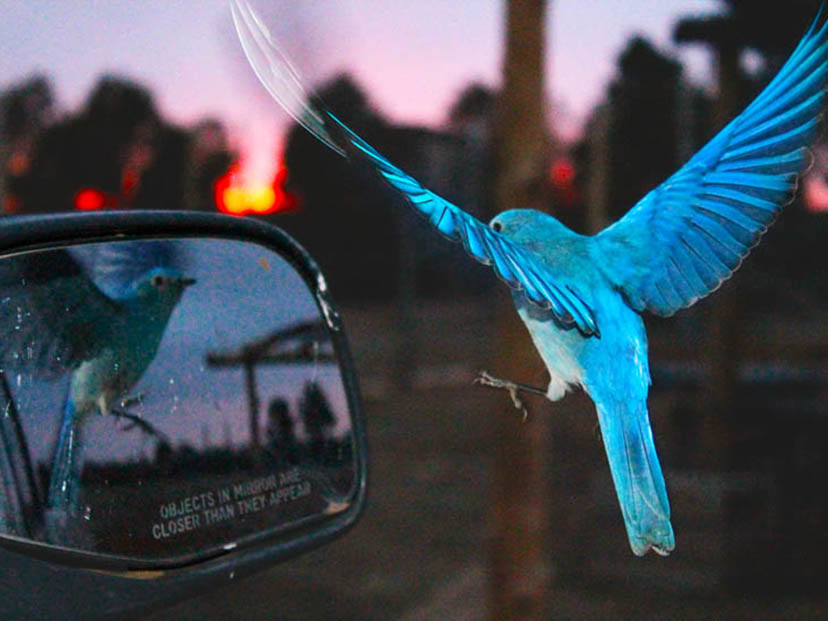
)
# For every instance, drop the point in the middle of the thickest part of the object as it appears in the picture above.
(149, 526)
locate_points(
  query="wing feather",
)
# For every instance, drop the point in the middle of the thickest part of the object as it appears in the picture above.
(50, 313)
(687, 236)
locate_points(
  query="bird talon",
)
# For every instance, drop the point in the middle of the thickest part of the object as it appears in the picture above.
(127, 402)
(484, 379)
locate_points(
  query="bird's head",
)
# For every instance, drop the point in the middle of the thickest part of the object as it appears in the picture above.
(162, 285)
(526, 225)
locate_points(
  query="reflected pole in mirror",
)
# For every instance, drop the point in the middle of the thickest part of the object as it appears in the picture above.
(56, 319)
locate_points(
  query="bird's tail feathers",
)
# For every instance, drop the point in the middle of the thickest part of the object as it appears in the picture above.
(278, 75)
(636, 473)
(66, 462)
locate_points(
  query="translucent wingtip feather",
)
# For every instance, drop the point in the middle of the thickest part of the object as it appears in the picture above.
(276, 73)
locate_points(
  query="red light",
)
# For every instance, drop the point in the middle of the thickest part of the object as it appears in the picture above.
(89, 199)
(562, 173)
(11, 204)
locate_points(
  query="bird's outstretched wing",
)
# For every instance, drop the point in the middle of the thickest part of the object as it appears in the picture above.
(687, 236)
(50, 313)
(512, 263)
(115, 267)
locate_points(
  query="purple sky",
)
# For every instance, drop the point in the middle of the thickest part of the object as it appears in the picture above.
(413, 58)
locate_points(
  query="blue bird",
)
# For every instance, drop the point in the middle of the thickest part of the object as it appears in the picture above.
(581, 297)
(102, 327)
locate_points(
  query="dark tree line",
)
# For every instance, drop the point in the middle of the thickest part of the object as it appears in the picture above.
(115, 152)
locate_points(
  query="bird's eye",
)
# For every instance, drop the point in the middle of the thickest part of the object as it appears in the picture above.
(497, 226)
(157, 280)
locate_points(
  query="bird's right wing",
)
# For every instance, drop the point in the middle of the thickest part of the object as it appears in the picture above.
(51, 313)
(514, 264)
(115, 267)
(688, 235)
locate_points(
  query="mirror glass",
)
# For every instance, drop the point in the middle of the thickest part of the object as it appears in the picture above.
(163, 400)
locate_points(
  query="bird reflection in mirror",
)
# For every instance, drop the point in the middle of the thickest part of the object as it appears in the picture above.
(97, 316)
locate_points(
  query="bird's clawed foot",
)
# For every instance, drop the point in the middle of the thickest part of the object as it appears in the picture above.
(128, 402)
(484, 379)
(140, 423)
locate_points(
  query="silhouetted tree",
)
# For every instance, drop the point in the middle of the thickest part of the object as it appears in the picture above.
(120, 150)
(25, 110)
(117, 126)
(279, 422)
(642, 135)
(475, 101)
(281, 434)
(470, 118)
(316, 412)
(209, 158)
(338, 209)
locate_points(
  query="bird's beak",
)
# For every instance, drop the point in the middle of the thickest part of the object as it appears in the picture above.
(186, 282)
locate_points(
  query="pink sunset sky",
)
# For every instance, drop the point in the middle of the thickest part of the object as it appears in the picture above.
(412, 58)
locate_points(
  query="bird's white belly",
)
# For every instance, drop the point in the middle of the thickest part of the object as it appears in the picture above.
(558, 350)
(97, 384)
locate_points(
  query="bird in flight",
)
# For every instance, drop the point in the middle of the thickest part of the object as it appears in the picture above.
(100, 321)
(581, 297)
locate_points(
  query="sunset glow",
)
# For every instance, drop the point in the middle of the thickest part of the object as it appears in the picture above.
(237, 197)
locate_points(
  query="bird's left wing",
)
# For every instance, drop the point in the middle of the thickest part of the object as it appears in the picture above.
(52, 316)
(687, 236)
(514, 264)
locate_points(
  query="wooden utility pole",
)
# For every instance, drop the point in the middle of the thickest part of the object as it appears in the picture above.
(519, 567)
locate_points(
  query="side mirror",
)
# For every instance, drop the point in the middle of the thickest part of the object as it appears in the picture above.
(176, 392)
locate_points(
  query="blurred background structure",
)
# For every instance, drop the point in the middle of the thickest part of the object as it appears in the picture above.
(740, 380)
